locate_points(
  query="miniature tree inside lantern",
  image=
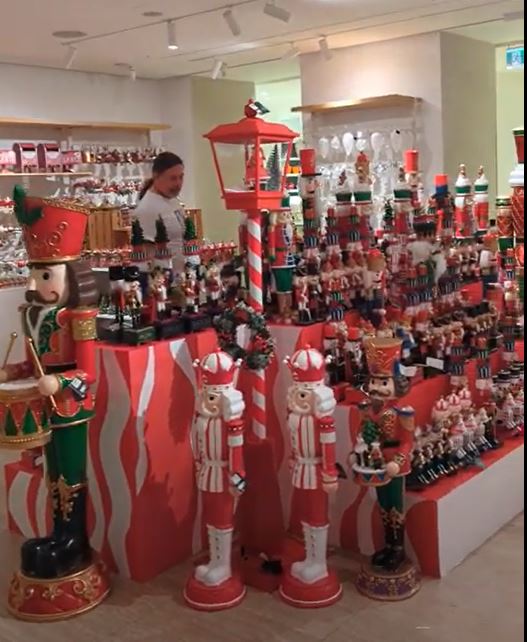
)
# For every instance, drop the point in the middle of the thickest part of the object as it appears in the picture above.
(240, 151)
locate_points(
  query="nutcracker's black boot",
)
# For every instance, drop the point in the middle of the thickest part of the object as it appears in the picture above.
(397, 555)
(68, 550)
(30, 549)
(380, 557)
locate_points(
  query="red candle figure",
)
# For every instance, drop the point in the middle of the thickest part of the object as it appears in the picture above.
(310, 403)
(517, 182)
(217, 443)
(463, 205)
(59, 327)
(481, 200)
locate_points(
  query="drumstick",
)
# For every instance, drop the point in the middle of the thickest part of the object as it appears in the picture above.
(12, 340)
(39, 368)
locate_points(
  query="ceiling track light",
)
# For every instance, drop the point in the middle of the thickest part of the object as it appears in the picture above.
(292, 52)
(72, 54)
(171, 35)
(231, 21)
(274, 11)
(218, 71)
(324, 48)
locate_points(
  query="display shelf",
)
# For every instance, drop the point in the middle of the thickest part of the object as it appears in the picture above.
(376, 102)
(35, 122)
(46, 174)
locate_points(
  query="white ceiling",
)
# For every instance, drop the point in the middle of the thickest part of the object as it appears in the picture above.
(500, 32)
(117, 32)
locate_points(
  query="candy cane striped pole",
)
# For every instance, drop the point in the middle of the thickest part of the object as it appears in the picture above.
(254, 245)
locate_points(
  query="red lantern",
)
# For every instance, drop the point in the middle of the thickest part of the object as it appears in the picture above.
(247, 163)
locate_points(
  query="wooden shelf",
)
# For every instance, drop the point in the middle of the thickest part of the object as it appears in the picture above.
(31, 174)
(377, 102)
(35, 122)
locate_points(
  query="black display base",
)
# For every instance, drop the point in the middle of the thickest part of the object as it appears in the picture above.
(112, 333)
(196, 322)
(138, 336)
(169, 328)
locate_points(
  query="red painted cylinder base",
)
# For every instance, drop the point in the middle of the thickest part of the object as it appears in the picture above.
(214, 598)
(58, 599)
(323, 593)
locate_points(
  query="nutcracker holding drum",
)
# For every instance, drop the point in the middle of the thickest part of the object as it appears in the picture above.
(46, 401)
(385, 426)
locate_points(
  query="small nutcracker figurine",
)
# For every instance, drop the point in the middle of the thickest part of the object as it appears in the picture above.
(481, 200)
(217, 444)
(133, 297)
(213, 285)
(375, 285)
(59, 371)
(310, 583)
(393, 428)
(191, 289)
(464, 226)
(158, 294)
(281, 258)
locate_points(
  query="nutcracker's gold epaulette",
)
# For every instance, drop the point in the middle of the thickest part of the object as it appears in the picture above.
(83, 324)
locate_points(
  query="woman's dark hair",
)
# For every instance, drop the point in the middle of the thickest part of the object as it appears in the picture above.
(162, 163)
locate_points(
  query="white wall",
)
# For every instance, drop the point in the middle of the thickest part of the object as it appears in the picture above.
(510, 110)
(54, 94)
(280, 97)
(469, 107)
(410, 66)
(215, 102)
(176, 110)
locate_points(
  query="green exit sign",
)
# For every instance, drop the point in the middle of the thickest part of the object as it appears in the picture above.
(514, 57)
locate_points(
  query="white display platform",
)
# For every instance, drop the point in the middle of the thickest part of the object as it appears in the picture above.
(474, 511)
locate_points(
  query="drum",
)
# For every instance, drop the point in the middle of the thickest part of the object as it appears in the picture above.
(365, 476)
(24, 416)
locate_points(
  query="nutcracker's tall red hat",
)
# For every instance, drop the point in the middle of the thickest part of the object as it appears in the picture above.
(53, 229)
(217, 369)
(307, 365)
(383, 355)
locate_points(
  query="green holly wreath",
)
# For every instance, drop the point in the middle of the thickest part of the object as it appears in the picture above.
(261, 344)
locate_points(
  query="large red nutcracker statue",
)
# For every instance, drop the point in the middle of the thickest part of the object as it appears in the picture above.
(463, 205)
(310, 403)
(217, 442)
(59, 576)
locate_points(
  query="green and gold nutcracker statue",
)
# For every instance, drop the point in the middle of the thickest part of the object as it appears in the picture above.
(381, 459)
(46, 401)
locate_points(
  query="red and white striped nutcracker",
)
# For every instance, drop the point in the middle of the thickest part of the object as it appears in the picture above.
(481, 200)
(464, 215)
(217, 443)
(310, 403)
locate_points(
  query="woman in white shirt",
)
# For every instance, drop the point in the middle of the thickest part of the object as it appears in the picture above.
(160, 197)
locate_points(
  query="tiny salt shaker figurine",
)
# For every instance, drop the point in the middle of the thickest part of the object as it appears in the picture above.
(311, 583)
(217, 444)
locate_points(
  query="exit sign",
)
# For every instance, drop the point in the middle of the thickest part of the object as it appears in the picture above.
(514, 57)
